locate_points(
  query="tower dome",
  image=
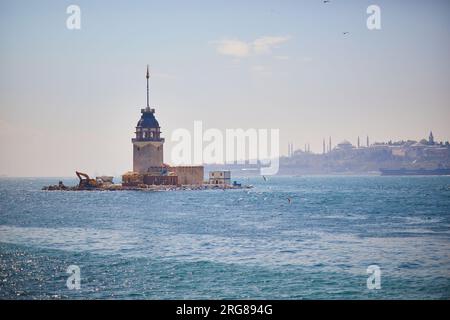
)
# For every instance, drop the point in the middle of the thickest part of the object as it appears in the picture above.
(148, 119)
(147, 128)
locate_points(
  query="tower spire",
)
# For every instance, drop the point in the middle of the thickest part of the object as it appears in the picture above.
(147, 76)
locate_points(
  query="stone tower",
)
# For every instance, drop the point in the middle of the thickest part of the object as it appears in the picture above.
(148, 144)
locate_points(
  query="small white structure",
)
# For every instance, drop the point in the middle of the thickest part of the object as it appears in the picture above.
(220, 177)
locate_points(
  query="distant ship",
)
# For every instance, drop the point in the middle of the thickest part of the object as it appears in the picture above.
(415, 172)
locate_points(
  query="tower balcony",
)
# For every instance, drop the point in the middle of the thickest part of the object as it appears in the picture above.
(157, 139)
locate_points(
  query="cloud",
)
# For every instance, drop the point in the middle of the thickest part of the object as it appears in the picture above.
(241, 49)
(266, 44)
(235, 48)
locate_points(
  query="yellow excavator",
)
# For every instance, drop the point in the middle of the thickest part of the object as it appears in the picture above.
(85, 181)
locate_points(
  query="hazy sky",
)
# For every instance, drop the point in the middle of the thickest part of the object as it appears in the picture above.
(70, 99)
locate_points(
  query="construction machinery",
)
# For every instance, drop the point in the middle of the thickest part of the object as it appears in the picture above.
(85, 181)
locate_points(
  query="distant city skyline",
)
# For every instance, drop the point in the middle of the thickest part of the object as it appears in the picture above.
(70, 99)
(327, 147)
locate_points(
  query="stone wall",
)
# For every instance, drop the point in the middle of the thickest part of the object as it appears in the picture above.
(160, 180)
(146, 155)
(189, 175)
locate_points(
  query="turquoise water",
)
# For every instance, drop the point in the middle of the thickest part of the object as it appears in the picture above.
(229, 244)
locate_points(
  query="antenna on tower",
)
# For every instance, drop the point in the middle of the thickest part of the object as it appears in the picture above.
(147, 76)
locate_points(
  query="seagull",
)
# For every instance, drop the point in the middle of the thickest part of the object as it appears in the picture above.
(264, 177)
(345, 32)
(289, 200)
(326, 1)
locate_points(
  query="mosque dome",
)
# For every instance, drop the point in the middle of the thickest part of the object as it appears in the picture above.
(345, 145)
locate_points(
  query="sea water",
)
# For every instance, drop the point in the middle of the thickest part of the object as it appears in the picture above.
(308, 237)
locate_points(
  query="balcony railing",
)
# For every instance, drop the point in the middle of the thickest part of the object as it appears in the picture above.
(147, 139)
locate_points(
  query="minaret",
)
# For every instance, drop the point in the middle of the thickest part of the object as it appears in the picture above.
(358, 142)
(148, 144)
(431, 138)
(323, 146)
(367, 141)
(329, 144)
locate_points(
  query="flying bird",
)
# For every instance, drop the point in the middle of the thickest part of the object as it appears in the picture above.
(326, 1)
(345, 32)
(264, 177)
(289, 200)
